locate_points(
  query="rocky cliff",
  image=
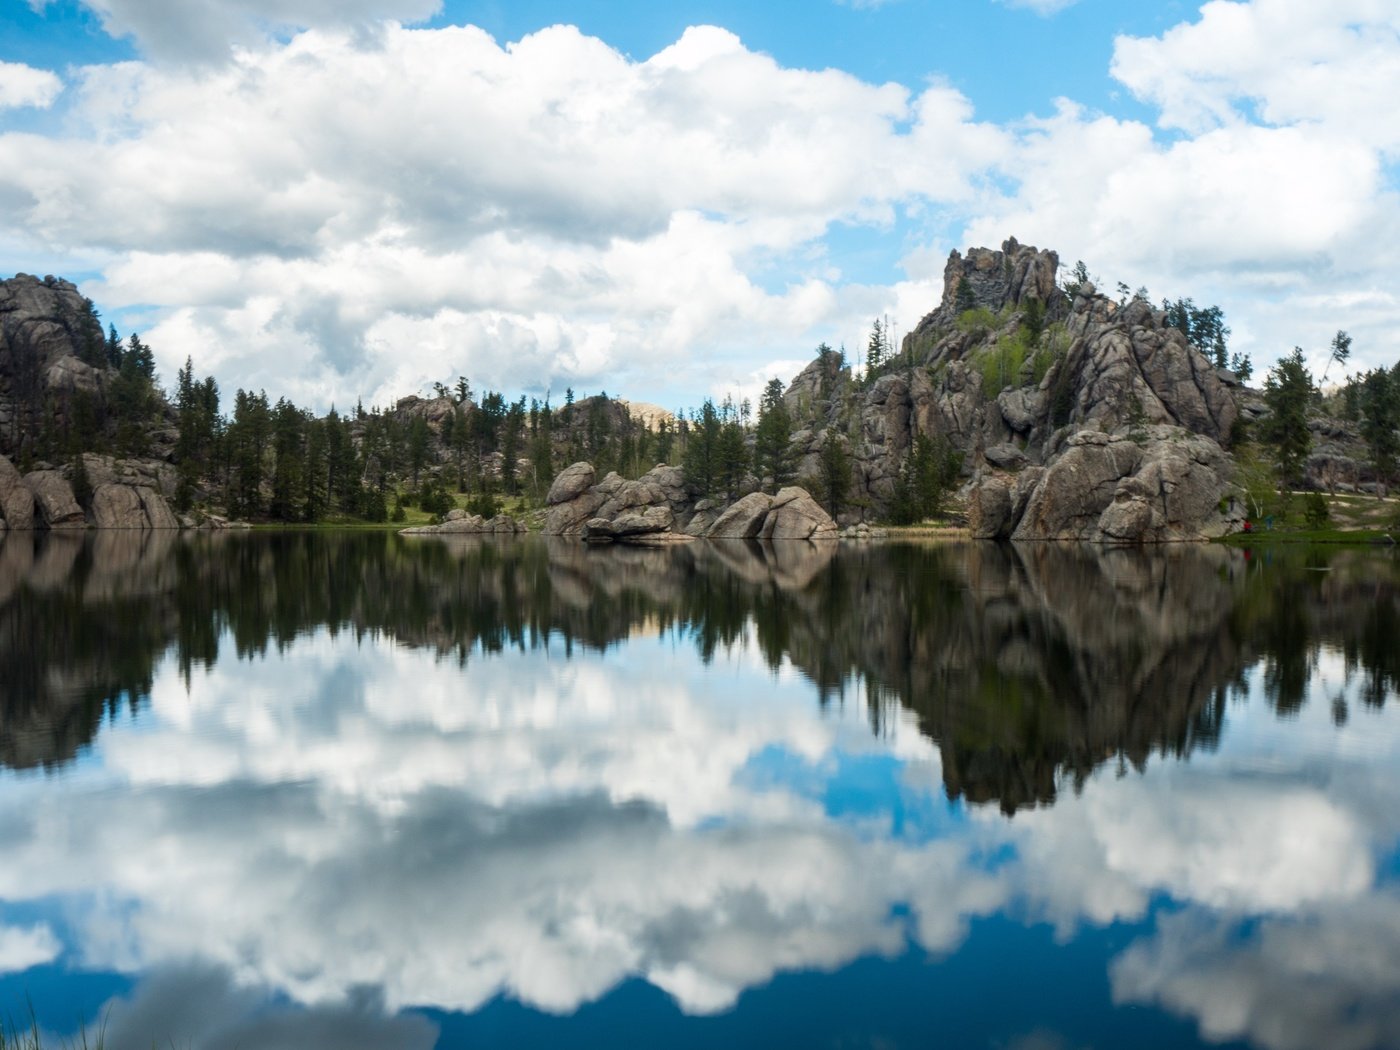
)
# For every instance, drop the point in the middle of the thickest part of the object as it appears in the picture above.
(1077, 417)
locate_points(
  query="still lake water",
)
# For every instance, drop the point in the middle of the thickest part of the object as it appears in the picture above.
(328, 791)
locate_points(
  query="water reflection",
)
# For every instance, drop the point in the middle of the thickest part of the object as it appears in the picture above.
(315, 782)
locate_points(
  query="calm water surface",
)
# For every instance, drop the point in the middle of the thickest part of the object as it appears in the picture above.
(338, 791)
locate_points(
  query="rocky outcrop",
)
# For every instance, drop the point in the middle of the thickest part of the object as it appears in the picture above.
(1013, 388)
(574, 501)
(459, 523)
(45, 499)
(130, 507)
(16, 500)
(1158, 487)
(657, 508)
(54, 500)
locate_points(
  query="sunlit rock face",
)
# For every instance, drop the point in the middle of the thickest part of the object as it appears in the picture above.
(463, 770)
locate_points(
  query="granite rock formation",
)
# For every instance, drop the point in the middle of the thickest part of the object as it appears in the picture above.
(657, 508)
(1076, 417)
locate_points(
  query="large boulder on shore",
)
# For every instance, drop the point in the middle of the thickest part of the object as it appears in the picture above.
(58, 509)
(743, 519)
(16, 501)
(795, 515)
(130, 507)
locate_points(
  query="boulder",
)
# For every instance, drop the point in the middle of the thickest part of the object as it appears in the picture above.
(16, 500)
(630, 527)
(795, 515)
(53, 496)
(118, 507)
(989, 509)
(570, 483)
(744, 519)
(464, 524)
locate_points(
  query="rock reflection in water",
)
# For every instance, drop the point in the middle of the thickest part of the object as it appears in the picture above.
(443, 810)
(1028, 665)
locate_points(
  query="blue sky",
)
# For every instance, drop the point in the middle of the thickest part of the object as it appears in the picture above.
(366, 197)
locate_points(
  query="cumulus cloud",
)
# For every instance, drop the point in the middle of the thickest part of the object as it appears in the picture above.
(545, 213)
(23, 947)
(1271, 193)
(201, 30)
(22, 85)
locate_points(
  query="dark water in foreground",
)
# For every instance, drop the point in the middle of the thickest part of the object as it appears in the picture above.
(339, 791)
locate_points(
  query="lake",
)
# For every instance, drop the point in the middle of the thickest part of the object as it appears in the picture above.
(343, 790)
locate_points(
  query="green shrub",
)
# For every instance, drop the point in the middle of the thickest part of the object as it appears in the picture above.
(1315, 510)
(1001, 365)
(977, 322)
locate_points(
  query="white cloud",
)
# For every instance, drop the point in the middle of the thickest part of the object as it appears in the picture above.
(198, 30)
(547, 212)
(22, 85)
(23, 947)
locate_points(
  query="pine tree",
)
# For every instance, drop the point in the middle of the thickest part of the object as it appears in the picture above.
(772, 458)
(701, 463)
(834, 472)
(1288, 391)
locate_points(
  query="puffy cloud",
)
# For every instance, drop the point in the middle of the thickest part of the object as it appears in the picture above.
(1285, 983)
(1281, 62)
(549, 212)
(542, 829)
(22, 85)
(23, 947)
(185, 30)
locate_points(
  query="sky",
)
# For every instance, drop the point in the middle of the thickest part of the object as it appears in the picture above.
(341, 199)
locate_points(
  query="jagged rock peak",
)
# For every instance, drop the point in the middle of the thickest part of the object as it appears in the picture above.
(996, 279)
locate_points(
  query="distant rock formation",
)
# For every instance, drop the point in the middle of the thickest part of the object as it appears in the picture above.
(459, 523)
(657, 508)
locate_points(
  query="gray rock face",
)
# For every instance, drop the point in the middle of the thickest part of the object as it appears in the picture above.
(130, 507)
(1094, 367)
(460, 523)
(633, 526)
(571, 483)
(744, 519)
(614, 496)
(795, 515)
(1167, 486)
(16, 500)
(53, 497)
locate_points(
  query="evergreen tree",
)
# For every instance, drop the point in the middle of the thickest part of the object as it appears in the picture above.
(875, 350)
(963, 299)
(1380, 406)
(772, 457)
(1288, 391)
(834, 472)
(929, 472)
(418, 439)
(288, 464)
(732, 458)
(701, 462)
